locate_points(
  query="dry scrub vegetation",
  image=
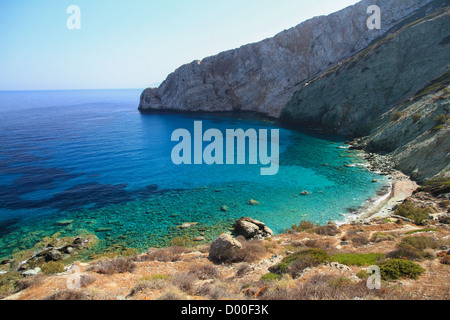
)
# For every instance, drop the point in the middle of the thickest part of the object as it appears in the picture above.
(306, 263)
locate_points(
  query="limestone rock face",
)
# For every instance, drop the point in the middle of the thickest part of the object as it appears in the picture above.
(262, 77)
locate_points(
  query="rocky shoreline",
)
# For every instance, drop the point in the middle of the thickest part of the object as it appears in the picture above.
(388, 198)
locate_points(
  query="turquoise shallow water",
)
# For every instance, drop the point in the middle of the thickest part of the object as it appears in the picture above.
(91, 157)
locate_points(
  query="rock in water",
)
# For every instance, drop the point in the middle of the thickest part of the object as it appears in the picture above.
(251, 229)
(224, 248)
(253, 202)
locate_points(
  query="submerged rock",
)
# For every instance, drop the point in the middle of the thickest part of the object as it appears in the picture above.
(188, 225)
(253, 202)
(64, 222)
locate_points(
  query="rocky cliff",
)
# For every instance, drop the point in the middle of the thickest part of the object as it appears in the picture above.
(390, 85)
(395, 92)
(262, 76)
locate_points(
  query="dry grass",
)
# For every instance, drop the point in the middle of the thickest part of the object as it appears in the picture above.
(324, 287)
(328, 230)
(171, 254)
(119, 265)
(31, 282)
(251, 251)
(360, 240)
(172, 294)
(68, 295)
(184, 281)
(205, 271)
(242, 269)
(86, 280)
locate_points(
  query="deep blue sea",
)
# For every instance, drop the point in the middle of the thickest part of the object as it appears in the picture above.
(74, 162)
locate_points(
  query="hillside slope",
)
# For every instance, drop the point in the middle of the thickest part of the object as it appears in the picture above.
(395, 92)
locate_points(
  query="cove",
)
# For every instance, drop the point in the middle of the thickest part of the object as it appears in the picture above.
(88, 162)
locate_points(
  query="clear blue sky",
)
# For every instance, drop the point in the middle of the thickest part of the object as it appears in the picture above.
(134, 43)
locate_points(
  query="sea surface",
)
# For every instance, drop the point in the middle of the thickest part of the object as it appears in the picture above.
(74, 162)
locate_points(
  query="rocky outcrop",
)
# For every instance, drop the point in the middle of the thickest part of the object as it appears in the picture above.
(262, 77)
(251, 229)
(224, 248)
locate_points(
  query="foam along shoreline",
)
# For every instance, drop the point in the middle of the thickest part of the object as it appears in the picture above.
(400, 188)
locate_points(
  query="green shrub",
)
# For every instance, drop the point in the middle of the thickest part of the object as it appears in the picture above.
(394, 269)
(357, 259)
(396, 116)
(441, 119)
(380, 237)
(297, 262)
(408, 253)
(408, 210)
(156, 277)
(304, 226)
(184, 241)
(52, 267)
(8, 283)
(421, 231)
(340, 282)
(438, 127)
(436, 186)
(269, 277)
(416, 117)
(419, 243)
(363, 274)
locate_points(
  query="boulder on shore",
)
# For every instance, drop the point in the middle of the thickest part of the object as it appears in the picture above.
(224, 248)
(251, 229)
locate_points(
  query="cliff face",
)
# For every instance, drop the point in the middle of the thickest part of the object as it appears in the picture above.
(419, 141)
(352, 98)
(395, 92)
(262, 77)
(390, 85)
